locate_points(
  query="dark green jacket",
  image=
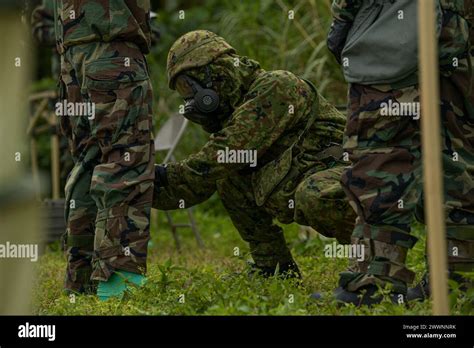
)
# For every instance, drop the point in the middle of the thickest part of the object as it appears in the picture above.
(376, 41)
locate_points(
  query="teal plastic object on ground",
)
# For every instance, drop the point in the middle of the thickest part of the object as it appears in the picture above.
(118, 283)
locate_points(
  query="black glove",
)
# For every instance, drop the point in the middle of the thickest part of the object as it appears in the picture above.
(161, 178)
(337, 37)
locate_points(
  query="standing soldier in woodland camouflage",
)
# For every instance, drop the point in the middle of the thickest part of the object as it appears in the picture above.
(42, 23)
(273, 151)
(376, 43)
(109, 191)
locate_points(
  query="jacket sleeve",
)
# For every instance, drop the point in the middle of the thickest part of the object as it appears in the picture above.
(255, 125)
(182, 196)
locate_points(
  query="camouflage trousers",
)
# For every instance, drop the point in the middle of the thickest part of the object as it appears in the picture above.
(65, 160)
(109, 190)
(384, 183)
(317, 201)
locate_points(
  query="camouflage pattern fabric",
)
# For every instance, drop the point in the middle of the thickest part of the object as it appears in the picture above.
(318, 194)
(109, 191)
(345, 10)
(42, 23)
(455, 34)
(384, 182)
(457, 109)
(269, 110)
(85, 21)
(179, 59)
(43, 30)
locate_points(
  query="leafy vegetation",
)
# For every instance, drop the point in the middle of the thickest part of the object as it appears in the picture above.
(214, 282)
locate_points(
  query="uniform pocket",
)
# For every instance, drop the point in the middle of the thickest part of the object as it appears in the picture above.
(118, 88)
(113, 73)
(270, 176)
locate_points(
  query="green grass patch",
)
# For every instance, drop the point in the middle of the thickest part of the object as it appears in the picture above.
(213, 281)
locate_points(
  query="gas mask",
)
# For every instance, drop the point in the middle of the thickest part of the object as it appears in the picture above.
(202, 104)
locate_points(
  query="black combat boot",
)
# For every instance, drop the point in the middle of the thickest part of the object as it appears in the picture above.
(288, 270)
(366, 296)
(422, 292)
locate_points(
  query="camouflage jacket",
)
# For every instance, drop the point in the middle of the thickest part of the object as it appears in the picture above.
(42, 23)
(456, 37)
(272, 115)
(84, 21)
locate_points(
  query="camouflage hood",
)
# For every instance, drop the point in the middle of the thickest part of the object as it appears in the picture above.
(203, 56)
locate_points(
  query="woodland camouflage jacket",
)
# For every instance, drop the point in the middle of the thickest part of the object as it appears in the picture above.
(85, 21)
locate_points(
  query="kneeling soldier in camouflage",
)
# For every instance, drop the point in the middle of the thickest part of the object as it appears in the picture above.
(273, 151)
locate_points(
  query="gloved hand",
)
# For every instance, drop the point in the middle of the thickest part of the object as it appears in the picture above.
(337, 37)
(161, 178)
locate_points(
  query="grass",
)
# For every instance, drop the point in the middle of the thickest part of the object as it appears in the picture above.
(211, 281)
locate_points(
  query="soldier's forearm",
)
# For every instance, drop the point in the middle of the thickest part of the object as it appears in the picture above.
(182, 196)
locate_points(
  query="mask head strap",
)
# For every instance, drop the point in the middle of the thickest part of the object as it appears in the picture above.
(206, 99)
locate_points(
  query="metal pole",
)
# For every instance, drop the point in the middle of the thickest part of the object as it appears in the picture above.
(431, 150)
